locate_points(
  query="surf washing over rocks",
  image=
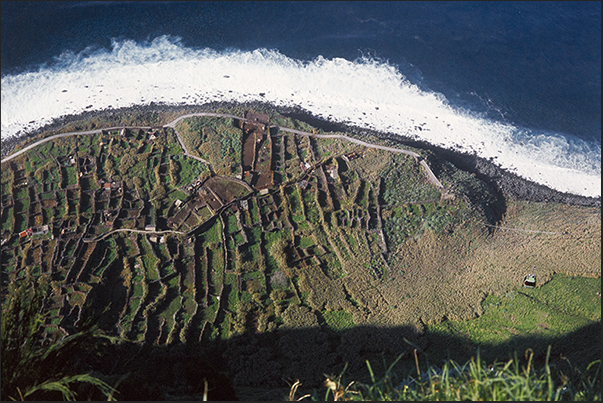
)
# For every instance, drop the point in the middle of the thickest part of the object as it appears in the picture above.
(365, 92)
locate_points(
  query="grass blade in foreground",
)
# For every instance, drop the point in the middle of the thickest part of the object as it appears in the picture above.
(475, 380)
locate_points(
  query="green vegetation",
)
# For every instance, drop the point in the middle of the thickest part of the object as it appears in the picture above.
(404, 182)
(562, 306)
(474, 380)
(339, 320)
(32, 370)
(293, 270)
(215, 140)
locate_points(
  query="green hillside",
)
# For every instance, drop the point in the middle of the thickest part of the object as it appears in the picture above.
(279, 256)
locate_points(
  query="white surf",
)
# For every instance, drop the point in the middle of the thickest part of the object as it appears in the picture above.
(365, 92)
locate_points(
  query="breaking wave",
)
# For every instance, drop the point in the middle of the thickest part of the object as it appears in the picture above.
(366, 92)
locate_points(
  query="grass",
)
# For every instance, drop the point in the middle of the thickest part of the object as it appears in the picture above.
(338, 320)
(138, 291)
(473, 380)
(71, 176)
(216, 263)
(214, 139)
(213, 234)
(170, 309)
(294, 200)
(238, 238)
(231, 224)
(305, 242)
(148, 259)
(559, 307)
(406, 182)
(32, 370)
(190, 170)
(178, 195)
(233, 297)
(7, 220)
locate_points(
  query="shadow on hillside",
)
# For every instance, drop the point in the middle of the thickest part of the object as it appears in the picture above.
(263, 366)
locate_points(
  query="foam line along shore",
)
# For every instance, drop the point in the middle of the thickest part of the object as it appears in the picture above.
(364, 93)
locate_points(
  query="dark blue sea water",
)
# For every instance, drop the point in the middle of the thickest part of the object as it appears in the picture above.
(527, 74)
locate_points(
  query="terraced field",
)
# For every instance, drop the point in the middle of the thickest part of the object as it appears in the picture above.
(284, 231)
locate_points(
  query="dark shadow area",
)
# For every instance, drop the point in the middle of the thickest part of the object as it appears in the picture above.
(263, 366)
(578, 348)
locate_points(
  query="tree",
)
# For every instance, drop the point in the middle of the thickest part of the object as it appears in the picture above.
(277, 250)
(129, 182)
(40, 174)
(157, 174)
(109, 167)
(278, 295)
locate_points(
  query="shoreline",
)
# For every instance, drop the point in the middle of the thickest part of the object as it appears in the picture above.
(506, 184)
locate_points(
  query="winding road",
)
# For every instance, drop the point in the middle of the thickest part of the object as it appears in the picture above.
(430, 175)
(56, 136)
(138, 231)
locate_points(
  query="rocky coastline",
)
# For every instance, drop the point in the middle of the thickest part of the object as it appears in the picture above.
(500, 179)
(505, 182)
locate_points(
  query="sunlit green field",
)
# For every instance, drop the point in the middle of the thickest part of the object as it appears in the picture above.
(517, 319)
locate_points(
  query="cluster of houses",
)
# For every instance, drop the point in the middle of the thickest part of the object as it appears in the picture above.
(154, 238)
(110, 185)
(205, 202)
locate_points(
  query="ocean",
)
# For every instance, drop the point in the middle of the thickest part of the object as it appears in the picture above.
(517, 83)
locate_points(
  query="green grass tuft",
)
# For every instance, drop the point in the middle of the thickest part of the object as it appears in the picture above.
(474, 380)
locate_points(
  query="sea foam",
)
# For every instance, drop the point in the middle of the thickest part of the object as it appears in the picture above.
(365, 92)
